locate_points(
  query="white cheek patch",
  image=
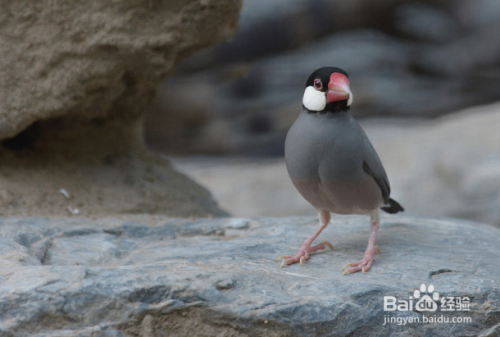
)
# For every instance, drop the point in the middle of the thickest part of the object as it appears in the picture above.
(314, 100)
(349, 101)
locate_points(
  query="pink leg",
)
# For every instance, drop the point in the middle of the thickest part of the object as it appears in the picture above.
(367, 261)
(306, 249)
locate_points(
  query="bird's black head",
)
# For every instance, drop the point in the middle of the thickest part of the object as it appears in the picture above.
(327, 89)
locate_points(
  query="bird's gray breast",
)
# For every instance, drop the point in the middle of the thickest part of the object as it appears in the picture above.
(325, 147)
(324, 158)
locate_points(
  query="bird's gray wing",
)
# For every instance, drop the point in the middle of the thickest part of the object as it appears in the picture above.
(373, 166)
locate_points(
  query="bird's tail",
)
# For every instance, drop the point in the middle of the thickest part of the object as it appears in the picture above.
(393, 207)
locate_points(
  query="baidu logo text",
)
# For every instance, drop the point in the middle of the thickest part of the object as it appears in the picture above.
(426, 299)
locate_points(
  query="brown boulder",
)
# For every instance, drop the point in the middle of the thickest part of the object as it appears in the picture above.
(75, 78)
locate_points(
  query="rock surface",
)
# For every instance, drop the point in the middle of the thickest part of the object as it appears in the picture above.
(115, 184)
(112, 277)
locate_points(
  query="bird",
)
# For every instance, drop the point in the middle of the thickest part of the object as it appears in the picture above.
(333, 164)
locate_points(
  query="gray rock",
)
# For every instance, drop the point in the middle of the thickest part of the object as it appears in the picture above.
(426, 22)
(404, 58)
(111, 277)
(389, 76)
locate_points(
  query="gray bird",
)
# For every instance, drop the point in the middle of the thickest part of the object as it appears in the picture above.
(333, 164)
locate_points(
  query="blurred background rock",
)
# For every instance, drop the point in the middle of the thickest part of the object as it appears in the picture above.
(414, 67)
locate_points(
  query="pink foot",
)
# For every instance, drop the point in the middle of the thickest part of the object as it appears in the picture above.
(364, 265)
(303, 253)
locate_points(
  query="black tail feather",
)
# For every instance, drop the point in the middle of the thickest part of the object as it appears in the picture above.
(394, 207)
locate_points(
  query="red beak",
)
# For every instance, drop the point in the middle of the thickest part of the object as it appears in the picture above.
(338, 88)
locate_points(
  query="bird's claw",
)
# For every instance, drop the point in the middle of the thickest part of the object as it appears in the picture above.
(303, 254)
(283, 263)
(364, 265)
(348, 270)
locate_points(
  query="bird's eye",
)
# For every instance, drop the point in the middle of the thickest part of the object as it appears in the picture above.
(317, 84)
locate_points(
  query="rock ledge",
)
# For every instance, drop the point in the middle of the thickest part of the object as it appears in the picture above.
(116, 277)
